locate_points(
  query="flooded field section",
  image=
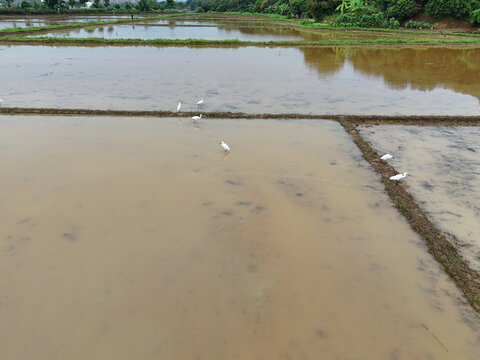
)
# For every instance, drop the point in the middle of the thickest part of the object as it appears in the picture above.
(7, 22)
(124, 238)
(445, 167)
(244, 31)
(330, 80)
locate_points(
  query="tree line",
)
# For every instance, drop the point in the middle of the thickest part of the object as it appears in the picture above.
(400, 10)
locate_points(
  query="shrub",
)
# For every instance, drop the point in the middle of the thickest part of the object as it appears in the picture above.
(307, 22)
(299, 7)
(419, 25)
(475, 18)
(443, 8)
(320, 9)
(361, 20)
(393, 23)
(401, 9)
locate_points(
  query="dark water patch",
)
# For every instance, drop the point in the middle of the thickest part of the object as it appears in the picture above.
(321, 334)
(232, 182)
(258, 209)
(70, 236)
(243, 203)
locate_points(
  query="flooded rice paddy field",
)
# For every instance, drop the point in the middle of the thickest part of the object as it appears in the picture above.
(210, 31)
(445, 167)
(7, 22)
(321, 80)
(125, 238)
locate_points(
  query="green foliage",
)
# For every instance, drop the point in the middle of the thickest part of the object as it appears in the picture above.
(444, 8)
(191, 5)
(362, 20)
(350, 5)
(71, 3)
(24, 4)
(393, 23)
(299, 7)
(106, 3)
(51, 3)
(306, 22)
(401, 9)
(475, 18)
(419, 25)
(318, 9)
(96, 4)
(143, 5)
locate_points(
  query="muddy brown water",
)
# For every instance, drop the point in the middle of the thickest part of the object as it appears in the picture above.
(243, 31)
(125, 238)
(332, 80)
(445, 166)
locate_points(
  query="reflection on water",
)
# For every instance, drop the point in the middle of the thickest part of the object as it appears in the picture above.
(320, 80)
(416, 68)
(445, 162)
(135, 238)
(24, 22)
(221, 31)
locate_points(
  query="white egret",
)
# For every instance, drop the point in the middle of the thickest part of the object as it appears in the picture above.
(398, 177)
(387, 157)
(179, 106)
(225, 146)
(196, 118)
(200, 102)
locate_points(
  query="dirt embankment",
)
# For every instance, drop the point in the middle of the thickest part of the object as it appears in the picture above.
(357, 119)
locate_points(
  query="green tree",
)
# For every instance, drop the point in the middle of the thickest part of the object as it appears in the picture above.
(143, 5)
(444, 8)
(51, 3)
(24, 4)
(350, 5)
(106, 3)
(170, 4)
(83, 3)
(9, 3)
(71, 3)
(320, 8)
(96, 4)
(401, 9)
(298, 7)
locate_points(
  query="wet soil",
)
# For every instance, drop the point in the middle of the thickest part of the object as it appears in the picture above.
(438, 243)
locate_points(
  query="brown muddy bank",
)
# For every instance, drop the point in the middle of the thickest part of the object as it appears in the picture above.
(439, 244)
(235, 43)
(445, 120)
